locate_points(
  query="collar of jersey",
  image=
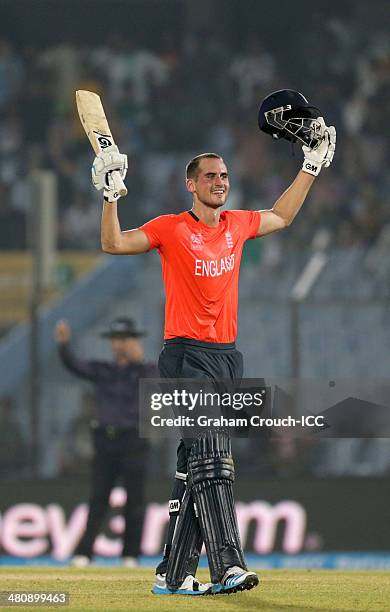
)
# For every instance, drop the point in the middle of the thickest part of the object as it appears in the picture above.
(196, 222)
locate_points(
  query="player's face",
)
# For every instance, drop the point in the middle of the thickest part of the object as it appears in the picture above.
(211, 187)
(127, 349)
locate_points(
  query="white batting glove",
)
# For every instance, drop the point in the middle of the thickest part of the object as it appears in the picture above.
(104, 164)
(323, 154)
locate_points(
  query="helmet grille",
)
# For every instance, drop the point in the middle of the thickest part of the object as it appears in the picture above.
(302, 127)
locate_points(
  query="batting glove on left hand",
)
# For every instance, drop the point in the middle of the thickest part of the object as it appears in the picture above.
(323, 154)
(104, 164)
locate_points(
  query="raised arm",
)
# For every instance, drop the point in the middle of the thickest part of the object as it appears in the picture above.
(113, 239)
(116, 241)
(286, 208)
(80, 367)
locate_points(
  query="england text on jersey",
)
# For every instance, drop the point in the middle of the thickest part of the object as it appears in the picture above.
(214, 267)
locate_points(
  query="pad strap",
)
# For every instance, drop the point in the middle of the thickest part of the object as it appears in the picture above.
(181, 476)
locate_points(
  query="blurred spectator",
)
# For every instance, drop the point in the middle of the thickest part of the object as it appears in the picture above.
(173, 197)
(11, 74)
(253, 71)
(64, 61)
(124, 60)
(10, 145)
(37, 107)
(12, 223)
(131, 210)
(80, 225)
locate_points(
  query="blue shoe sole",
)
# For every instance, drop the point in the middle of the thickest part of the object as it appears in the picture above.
(249, 583)
(160, 591)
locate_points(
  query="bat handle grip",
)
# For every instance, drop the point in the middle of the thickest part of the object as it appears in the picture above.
(119, 184)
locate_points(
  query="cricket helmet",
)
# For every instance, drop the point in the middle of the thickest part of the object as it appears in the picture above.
(287, 114)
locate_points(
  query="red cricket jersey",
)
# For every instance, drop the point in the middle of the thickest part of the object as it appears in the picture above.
(200, 268)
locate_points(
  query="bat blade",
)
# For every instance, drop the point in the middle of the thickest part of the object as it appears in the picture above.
(95, 124)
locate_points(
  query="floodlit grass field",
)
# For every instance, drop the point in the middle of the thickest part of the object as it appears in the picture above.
(123, 589)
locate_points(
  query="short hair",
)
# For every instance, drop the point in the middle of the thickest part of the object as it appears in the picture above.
(192, 168)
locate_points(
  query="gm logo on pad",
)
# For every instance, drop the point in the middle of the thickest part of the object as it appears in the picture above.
(174, 505)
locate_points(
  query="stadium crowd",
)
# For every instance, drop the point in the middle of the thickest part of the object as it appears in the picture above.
(170, 101)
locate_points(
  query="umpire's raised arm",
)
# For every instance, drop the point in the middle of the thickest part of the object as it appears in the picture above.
(81, 367)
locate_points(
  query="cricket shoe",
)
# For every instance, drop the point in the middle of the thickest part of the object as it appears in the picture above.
(190, 586)
(235, 579)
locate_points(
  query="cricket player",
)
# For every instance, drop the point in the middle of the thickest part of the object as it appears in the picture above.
(200, 251)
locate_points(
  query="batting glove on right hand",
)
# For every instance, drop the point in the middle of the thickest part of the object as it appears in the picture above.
(323, 154)
(104, 164)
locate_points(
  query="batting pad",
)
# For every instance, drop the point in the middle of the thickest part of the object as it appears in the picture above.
(210, 478)
(186, 546)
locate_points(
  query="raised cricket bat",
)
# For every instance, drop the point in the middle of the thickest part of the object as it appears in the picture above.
(94, 121)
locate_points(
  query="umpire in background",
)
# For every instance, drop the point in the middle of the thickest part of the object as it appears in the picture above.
(118, 449)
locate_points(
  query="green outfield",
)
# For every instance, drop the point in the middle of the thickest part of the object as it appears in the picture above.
(122, 589)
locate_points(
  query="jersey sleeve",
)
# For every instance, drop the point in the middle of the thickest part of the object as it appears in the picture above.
(158, 230)
(250, 222)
